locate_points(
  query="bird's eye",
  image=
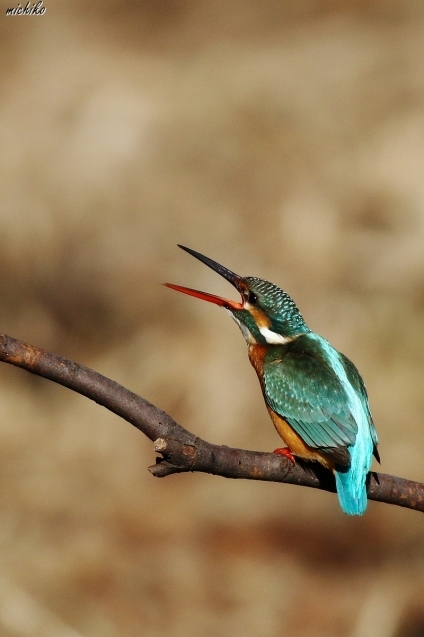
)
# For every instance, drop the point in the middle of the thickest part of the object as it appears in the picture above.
(251, 298)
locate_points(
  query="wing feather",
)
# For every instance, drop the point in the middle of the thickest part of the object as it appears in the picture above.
(305, 390)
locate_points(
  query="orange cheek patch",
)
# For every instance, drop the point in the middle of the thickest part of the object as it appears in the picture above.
(259, 317)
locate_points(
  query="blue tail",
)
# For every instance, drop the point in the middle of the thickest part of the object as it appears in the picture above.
(352, 497)
(351, 481)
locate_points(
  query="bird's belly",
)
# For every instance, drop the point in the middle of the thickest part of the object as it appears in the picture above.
(295, 443)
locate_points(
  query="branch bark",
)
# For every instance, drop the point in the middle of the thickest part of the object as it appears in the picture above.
(183, 451)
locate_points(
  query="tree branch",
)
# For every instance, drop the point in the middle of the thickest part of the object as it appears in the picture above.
(182, 451)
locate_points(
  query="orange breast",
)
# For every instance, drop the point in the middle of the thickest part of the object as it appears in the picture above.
(256, 356)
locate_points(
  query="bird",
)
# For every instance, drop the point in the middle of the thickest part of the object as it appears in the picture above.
(315, 396)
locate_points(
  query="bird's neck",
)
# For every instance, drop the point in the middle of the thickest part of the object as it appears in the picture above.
(257, 354)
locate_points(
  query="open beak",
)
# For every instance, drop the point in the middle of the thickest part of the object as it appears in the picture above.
(234, 279)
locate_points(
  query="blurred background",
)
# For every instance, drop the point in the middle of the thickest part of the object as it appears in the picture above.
(286, 141)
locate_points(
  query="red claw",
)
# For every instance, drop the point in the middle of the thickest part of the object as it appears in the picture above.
(285, 451)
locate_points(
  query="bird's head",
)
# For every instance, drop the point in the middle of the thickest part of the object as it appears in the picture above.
(266, 315)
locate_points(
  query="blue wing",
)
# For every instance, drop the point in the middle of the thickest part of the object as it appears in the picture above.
(302, 386)
(358, 384)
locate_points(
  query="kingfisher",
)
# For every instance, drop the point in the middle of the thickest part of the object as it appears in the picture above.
(315, 396)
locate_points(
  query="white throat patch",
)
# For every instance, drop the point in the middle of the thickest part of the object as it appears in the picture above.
(272, 338)
(246, 332)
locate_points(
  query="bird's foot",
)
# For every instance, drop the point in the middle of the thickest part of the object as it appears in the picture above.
(285, 451)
